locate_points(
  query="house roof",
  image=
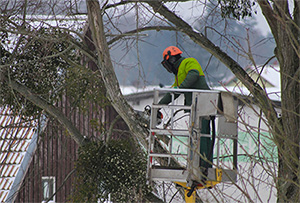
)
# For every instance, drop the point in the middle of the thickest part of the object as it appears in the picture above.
(267, 76)
(18, 140)
(131, 90)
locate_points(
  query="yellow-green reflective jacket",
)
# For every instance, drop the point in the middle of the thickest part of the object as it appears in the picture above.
(185, 66)
(189, 76)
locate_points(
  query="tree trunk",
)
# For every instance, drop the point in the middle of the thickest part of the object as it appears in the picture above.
(285, 30)
(108, 75)
(289, 189)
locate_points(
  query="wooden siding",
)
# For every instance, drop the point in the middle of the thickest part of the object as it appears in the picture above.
(56, 151)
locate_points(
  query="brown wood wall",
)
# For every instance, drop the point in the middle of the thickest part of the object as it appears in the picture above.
(56, 151)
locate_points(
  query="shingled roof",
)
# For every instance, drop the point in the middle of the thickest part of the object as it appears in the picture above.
(18, 141)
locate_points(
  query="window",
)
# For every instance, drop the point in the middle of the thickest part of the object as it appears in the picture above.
(48, 185)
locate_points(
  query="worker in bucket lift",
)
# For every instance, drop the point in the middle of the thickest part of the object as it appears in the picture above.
(188, 75)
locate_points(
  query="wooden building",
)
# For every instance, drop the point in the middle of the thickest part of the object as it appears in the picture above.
(48, 170)
(37, 157)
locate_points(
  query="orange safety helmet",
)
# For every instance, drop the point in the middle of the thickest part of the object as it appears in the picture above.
(171, 51)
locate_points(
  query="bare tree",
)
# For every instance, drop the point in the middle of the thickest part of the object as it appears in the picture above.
(285, 29)
(283, 22)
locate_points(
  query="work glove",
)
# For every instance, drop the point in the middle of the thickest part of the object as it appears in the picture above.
(147, 110)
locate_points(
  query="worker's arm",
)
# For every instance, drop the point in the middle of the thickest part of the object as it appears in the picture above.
(167, 98)
(191, 78)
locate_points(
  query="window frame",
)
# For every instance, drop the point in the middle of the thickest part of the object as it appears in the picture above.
(48, 181)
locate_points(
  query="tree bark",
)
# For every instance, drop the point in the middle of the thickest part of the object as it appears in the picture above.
(110, 80)
(286, 33)
(108, 75)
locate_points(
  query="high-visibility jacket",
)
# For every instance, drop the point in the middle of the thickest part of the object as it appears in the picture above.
(189, 76)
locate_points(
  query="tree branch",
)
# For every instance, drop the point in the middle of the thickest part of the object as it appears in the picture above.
(123, 2)
(63, 183)
(269, 15)
(238, 71)
(132, 32)
(51, 110)
(108, 75)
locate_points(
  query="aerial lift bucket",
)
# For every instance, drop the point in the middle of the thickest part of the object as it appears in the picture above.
(185, 167)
